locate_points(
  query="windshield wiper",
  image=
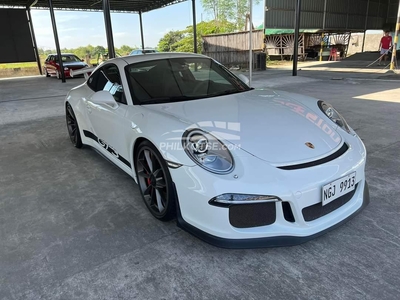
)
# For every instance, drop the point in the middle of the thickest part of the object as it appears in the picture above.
(168, 99)
(223, 93)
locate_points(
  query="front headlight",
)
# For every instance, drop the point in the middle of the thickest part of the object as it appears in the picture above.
(65, 69)
(226, 200)
(207, 151)
(333, 114)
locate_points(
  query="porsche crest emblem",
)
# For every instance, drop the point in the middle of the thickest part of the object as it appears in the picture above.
(309, 145)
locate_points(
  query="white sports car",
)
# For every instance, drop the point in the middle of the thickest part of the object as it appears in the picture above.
(238, 167)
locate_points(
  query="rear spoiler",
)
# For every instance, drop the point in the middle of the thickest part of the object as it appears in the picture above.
(85, 71)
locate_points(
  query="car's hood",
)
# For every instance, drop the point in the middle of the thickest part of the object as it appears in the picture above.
(265, 123)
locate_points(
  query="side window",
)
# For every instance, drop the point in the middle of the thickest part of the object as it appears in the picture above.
(92, 81)
(108, 79)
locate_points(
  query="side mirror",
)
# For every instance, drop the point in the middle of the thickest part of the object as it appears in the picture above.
(104, 97)
(244, 79)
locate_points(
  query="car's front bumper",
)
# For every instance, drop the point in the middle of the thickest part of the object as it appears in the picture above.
(68, 73)
(301, 189)
(272, 241)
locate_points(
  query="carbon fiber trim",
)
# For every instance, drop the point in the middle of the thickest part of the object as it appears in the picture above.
(321, 161)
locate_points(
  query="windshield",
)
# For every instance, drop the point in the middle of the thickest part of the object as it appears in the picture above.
(180, 79)
(68, 58)
(149, 51)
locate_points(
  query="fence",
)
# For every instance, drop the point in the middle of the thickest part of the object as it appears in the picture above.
(232, 49)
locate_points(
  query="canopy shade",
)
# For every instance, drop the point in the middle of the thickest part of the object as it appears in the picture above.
(96, 5)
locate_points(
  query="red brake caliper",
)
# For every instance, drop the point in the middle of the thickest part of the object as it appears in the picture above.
(148, 179)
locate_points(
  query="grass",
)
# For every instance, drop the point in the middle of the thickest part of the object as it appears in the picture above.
(19, 65)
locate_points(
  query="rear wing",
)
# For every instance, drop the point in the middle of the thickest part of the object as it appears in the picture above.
(85, 71)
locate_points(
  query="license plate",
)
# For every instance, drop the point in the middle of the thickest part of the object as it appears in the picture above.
(338, 188)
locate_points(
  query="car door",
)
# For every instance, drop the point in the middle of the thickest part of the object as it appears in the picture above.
(46, 63)
(51, 66)
(109, 124)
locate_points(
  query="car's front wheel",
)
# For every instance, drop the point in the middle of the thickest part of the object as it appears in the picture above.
(46, 73)
(73, 128)
(155, 182)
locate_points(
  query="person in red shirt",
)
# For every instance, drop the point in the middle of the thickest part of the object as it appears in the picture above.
(384, 46)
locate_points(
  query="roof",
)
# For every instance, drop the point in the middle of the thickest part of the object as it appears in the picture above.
(94, 5)
(156, 56)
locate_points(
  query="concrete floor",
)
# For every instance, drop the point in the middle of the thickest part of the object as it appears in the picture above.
(73, 226)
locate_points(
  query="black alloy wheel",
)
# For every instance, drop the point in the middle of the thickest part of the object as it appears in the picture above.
(155, 182)
(73, 128)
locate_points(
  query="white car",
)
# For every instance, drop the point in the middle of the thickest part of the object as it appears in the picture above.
(142, 51)
(238, 167)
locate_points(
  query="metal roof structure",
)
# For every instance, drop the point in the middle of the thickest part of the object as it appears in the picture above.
(106, 6)
(93, 5)
(332, 15)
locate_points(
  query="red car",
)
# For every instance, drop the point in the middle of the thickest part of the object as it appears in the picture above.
(70, 62)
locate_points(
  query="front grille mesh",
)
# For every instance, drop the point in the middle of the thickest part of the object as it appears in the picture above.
(252, 215)
(316, 211)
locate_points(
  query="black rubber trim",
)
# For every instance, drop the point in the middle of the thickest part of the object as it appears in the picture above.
(92, 136)
(317, 210)
(282, 241)
(321, 161)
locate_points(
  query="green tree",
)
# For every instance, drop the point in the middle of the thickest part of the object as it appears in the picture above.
(98, 50)
(228, 10)
(168, 42)
(124, 50)
(182, 40)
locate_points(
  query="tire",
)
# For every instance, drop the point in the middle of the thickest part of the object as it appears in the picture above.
(155, 182)
(58, 75)
(73, 127)
(46, 73)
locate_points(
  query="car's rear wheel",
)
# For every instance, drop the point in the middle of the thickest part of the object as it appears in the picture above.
(58, 75)
(155, 182)
(73, 128)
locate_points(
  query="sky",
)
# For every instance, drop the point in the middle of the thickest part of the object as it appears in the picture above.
(77, 28)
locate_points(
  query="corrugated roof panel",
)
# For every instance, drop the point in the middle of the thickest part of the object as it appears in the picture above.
(356, 22)
(312, 6)
(279, 19)
(373, 9)
(341, 14)
(337, 6)
(96, 5)
(336, 21)
(311, 20)
(281, 4)
(383, 10)
(358, 7)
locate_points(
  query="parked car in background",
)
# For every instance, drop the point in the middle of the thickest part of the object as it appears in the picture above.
(143, 51)
(70, 62)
